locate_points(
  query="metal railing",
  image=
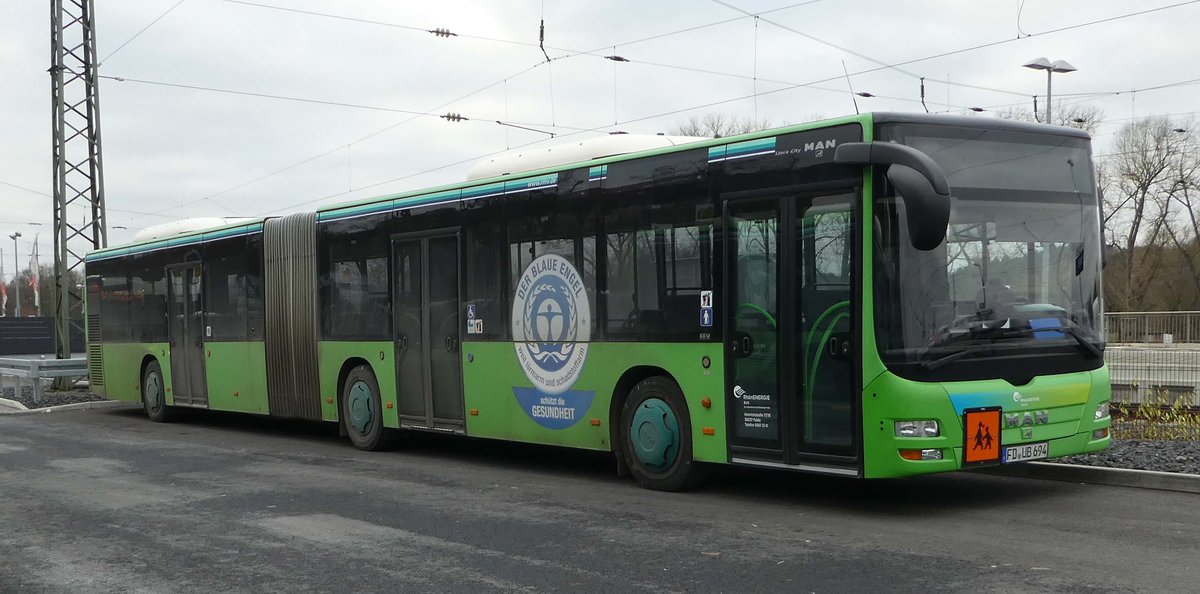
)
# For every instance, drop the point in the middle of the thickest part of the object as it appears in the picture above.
(1154, 375)
(36, 370)
(1155, 327)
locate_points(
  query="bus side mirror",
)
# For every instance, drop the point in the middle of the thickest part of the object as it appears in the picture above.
(920, 181)
(928, 211)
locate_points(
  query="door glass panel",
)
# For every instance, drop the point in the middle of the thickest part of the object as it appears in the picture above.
(407, 315)
(197, 332)
(754, 264)
(824, 246)
(446, 384)
(178, 338)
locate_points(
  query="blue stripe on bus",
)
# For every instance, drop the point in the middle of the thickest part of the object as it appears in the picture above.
(175, 242)
(493, 189)
(737, 150)
(484, 191)
(531, 183)
(354, 211)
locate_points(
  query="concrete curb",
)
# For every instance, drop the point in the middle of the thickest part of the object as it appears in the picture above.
(98, 404)
(4, 402)
(1100, 475)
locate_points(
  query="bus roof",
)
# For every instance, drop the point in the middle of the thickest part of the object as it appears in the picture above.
(448, 191)
(985, 123)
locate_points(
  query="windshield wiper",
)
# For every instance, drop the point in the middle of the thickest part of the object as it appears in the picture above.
(931, 364)
(1084, 344)
(982, 333)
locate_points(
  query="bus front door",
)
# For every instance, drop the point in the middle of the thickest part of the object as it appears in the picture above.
(186, 336)
(425, 306)
(790, 357)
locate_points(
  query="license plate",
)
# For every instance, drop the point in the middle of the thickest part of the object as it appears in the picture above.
(1026, 451)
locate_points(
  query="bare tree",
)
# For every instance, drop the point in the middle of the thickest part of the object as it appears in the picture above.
(1183, 190)
(719, 125)
(1141, 184)
(1081, 115)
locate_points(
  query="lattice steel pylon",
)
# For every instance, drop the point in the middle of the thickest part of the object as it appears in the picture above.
(78, 172)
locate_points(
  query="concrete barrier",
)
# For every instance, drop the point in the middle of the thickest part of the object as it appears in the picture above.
(1100, 475)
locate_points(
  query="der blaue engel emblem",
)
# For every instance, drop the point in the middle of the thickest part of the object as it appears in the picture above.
(551, 326)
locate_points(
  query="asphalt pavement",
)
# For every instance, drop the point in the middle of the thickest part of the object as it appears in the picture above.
(104, 500)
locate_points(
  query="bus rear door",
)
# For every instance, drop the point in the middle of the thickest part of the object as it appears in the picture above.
(426, 331)
(186, 335)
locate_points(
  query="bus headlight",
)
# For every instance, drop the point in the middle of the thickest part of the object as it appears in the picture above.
(1102, 410)
(926, 428)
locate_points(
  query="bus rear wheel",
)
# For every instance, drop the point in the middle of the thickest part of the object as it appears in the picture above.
(154, 396)
(361, 412)
(656, 437)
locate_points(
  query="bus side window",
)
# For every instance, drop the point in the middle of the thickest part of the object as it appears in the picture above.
(225, 290)
(254, 288)
(654, 279)
(560, 221)
(148, 288)
(658, 251)
(114, 301)
(355, 299)
(484, 246)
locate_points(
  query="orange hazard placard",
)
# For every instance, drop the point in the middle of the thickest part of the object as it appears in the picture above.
(981, 436)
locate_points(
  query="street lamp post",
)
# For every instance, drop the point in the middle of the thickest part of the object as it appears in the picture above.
(16, 274)
(1050, 67)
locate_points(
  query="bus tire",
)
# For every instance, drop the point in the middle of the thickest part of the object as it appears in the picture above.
(361, 410)
(154, 395)
(656, 436)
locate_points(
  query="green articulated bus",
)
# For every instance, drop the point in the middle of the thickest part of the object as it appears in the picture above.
(881, 295)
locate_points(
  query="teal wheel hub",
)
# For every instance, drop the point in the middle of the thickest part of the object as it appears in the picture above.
(362, 407)
(654, 434)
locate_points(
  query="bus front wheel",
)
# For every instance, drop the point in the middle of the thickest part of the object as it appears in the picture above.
(154, 396)
(362, 415)
(656, 436)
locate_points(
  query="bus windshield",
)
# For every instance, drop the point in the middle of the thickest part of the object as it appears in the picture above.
(1019, 270)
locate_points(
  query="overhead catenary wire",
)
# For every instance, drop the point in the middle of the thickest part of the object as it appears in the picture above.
(755, 70)
(139, 33)
(450, 117)
(917, 60)
(853, 52)
(573, 52)
(903, 63)
(388, 128)
(396, 179)
(1158, 87)
(265, 95)
(414, 113)
(47, 195)
(442, 32)
(512, 41)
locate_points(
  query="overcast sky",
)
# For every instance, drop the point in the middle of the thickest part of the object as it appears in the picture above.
(176, 152)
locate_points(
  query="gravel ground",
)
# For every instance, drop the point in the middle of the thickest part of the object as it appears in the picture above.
(1141, 454)
(50, 398)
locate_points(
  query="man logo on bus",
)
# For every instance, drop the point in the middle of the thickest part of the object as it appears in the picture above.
(551, 320)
